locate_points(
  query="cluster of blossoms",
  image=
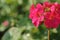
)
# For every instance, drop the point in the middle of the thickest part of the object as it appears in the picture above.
(47, 13)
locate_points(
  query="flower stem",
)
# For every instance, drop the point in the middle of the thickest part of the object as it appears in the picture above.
(48, 34)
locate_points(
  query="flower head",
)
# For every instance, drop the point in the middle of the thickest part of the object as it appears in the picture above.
(51, 20)
(48, 13)
(36, 14)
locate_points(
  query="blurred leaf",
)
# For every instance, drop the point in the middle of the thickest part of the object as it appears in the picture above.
(12, 34)
(58, 1)
(7, 36)
(2, 28)
(52, 0)
(41, 1)
(20, 1)
(11, 1)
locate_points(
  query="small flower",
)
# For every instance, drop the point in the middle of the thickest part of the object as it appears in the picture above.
(5, 23)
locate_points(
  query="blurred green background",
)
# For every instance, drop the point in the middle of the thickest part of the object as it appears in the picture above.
(20, 27)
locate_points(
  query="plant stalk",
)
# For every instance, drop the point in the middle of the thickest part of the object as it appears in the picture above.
(48, 34)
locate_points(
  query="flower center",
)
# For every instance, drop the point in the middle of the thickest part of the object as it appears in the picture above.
(47, 9)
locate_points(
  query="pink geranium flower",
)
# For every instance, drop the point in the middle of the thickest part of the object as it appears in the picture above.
(57, 11)
(49, 13)
(36, 14)
(51, 20)
(5, 23)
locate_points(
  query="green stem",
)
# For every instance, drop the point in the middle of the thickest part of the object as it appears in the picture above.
(48, 34)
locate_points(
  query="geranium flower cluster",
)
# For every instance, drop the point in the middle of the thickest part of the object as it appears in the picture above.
(47, 13)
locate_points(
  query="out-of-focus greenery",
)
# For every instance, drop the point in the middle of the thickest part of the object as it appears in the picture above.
(20, 27)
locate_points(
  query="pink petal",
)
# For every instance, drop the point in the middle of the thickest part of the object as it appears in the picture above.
(42, 18)
(53, 8)
(51, 23)
(38, 5)
(36, 22)
(31, 11)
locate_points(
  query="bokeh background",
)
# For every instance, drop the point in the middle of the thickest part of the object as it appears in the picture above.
(16, 25)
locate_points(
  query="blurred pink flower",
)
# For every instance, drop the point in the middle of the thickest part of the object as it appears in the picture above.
(51, 20)
(57, 11)
(31, 11)
(49, 13)
(5, 23)
(36, 14)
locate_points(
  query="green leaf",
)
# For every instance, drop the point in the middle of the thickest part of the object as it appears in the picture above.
(52, 0)
(12, 34)
(2, 28)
